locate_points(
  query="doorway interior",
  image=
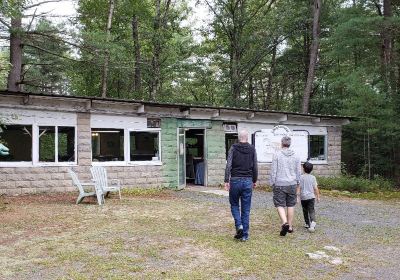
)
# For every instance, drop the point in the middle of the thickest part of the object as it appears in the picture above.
(195, 157)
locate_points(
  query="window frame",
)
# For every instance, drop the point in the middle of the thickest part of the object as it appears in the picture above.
(56, 162)
(322, 161)
(127, 145)
(35, 148)
(110, 162)
(144, 162)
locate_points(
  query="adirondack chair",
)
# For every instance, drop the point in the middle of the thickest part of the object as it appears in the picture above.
(99, 174)
(82, 193)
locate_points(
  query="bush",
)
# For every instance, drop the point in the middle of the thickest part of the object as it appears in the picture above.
(355, 184)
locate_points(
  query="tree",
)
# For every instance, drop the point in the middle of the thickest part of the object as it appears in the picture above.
(313, 56)
(107, 54)
(12, 15)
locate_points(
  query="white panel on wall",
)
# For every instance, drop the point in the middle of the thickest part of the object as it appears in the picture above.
(107, 121)
(21, 116)
(267, 142)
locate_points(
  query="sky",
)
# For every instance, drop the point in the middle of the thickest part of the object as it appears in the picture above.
(67, 8)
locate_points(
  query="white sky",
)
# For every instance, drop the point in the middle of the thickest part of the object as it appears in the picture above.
(199, 18)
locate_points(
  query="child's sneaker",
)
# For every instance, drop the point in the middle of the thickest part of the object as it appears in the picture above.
(312, 226)
(306, 226)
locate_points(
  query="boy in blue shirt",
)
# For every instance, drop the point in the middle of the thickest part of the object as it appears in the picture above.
(308, 192)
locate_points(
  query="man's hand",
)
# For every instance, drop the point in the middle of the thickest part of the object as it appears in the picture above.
(318, 200)
(254, 184)
(227, 186)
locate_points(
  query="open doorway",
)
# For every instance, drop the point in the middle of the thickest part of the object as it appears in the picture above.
(195, 157)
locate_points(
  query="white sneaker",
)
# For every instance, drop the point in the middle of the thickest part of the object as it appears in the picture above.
(312, 226)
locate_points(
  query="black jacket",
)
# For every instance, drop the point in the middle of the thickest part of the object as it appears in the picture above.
(241, 162)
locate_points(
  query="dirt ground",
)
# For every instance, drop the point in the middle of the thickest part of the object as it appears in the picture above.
(189, 235)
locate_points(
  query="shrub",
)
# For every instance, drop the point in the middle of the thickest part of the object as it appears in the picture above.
(355, 184)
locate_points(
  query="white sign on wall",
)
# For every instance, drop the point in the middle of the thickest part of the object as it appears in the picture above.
(268, 141)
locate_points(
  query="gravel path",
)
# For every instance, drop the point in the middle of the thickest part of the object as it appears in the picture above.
(366, 231)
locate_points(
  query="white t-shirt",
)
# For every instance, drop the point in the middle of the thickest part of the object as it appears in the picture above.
(307, 184)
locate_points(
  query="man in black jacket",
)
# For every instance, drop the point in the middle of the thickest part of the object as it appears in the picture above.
(240, 178)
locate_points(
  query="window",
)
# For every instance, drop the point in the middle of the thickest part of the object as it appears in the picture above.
(317, 147)
(18, 139)
(66, 144)
(230, 139)
(107, 144)
(58, 141)
(153, 123)
(144, 146)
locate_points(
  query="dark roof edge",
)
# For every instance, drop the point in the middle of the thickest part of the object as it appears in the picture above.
(170, 105)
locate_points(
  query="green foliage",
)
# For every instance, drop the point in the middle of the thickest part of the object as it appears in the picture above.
(355, 184)
(4, 68)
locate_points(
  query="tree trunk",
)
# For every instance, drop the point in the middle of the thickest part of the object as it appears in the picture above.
(270, 79)
(155, 62)
(387, 47)
(251, 92)
(107, 55)
(14, 76)
(135, 36)
(313, 57)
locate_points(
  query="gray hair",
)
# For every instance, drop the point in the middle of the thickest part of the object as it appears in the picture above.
(243, 136)
(286, 141)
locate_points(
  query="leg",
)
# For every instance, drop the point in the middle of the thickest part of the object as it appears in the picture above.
(245, 201)
(304, 205)
(280, 203)
(290, 215)
(282, 214)
(291, 199)
(234, 194)
(311, 210)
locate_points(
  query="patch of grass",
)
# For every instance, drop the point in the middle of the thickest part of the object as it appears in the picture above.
(383, 195)
(355, 184)
(147, 192)
(166, 237)
(3, 203)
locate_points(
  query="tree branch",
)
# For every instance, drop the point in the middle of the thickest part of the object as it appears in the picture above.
(219, 19)
(52, 53)
(5, 23)
(41, 3)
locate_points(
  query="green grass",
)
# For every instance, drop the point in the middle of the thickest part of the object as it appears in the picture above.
(355, 184)
(383, 195)
(162, 237)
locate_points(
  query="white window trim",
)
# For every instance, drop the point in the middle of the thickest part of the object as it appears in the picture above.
(145, 162)
(322, 161)
(127, 161)
(109, 163)
(35, 149)
(36, 159)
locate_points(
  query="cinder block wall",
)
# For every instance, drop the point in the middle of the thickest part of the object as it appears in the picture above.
(21, 180)
(24, 180)
(169, 154)
(333, 168)
(216, 154)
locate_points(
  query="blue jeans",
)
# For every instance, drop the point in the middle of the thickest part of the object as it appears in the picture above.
(241, 189)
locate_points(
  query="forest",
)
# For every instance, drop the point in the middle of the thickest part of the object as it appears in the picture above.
(339, 57)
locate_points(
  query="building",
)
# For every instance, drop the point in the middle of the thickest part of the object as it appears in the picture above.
(144, 144)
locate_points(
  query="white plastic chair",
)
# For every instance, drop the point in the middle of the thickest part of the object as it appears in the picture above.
(82, 193)
(99, 174)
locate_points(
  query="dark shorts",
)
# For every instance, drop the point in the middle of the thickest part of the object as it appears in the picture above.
(285, 196)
